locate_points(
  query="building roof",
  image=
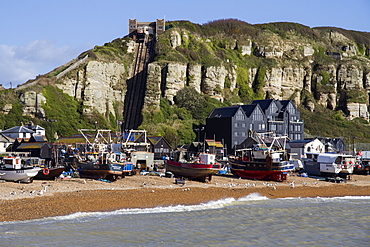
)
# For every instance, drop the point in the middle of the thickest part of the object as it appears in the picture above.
(73, 139)
(18, 129)
(224, 112)
(248, 109)
(155, 139)
(4, 138)
(264, 103)
(35, 127)
(30, 145)
(213, 143)
(299, 143)
(38, 138)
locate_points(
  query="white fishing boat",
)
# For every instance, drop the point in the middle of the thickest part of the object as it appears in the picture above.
(329, 164)
(13, 169)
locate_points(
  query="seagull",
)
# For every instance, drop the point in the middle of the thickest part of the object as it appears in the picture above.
(292, 184)
(46, 187)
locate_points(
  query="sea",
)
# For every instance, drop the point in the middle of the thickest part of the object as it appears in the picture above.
(250, 221)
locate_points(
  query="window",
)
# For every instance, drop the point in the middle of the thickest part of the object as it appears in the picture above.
(243, 133)
(235, 133)
(251, 126)
(263, 126)
(273, 108)
(239, 115)
(256, 116)
(243, 125)
(236, 125)
(291, 108)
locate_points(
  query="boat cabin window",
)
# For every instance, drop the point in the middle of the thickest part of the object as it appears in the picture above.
(338, 160)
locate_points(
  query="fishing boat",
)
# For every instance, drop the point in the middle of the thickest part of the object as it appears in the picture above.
(13, 169)
(99, 161)
(102, 165)
(261, 161)
(329, 164)
(48, 170)
(363, 163)
(200, 168)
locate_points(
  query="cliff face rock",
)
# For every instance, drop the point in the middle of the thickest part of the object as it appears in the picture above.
(175, 80)
(350, 76)
(356, 110)
(32, 102)
(214, 81)
(153, 86)
(175, 39)
(293, 64)
(170, 78)
(281, 83)
(94, 85)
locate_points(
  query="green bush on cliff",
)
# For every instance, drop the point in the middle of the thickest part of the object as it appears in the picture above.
(357, 96)
(176, 122)
(259, 83)
(326, 123)
(14, 117)
(67, 114)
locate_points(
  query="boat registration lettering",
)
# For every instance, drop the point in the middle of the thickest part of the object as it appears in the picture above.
(19, 171)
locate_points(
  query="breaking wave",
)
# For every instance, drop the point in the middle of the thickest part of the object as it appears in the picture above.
(178, 208)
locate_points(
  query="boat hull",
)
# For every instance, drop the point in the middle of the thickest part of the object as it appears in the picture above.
(22, 175)
(260, 171)
(99, 171)
(53, 173)
(193, 171)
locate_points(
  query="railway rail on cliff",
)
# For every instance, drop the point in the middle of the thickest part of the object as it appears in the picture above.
(136, 85)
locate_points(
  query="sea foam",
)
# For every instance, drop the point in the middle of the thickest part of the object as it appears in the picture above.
(168, 209)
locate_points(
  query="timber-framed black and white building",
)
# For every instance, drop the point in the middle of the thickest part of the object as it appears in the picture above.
(231, 125)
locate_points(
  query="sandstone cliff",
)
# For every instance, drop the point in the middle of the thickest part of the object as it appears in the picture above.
(332, 65)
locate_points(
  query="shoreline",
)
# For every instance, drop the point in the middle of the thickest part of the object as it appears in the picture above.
(42, 199)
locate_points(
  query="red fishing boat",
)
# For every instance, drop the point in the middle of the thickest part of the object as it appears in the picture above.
(262, 161)
(200, 168)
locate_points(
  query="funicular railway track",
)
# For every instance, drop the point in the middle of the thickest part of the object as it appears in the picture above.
(134, 100)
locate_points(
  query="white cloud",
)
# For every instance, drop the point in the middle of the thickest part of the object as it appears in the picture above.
(21, 63)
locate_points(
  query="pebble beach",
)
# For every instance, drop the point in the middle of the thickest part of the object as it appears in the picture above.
(60, 197)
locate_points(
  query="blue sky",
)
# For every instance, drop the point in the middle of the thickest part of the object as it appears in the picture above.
(37, 36)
